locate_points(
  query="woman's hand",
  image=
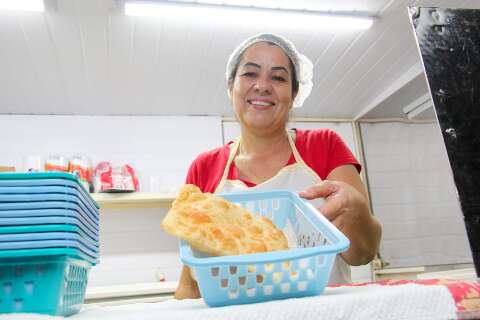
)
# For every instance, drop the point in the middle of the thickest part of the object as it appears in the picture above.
(346, 206)
(187, 287)
(339, 197)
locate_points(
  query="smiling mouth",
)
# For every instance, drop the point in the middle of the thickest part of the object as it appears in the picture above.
(257, 104)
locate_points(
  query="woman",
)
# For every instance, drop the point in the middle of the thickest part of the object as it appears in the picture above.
(267, 77)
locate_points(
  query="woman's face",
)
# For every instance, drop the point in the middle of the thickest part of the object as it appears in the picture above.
(261, 92)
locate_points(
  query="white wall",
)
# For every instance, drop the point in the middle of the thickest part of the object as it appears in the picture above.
(414, 195)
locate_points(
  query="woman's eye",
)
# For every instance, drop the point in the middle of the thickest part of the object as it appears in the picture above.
(279, 78)
(249, 74)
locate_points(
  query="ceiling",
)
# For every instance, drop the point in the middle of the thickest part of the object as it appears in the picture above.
(86, 57)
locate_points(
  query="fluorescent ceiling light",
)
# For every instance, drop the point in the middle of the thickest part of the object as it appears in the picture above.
(22, 5)
(240, 14)
(311, 5)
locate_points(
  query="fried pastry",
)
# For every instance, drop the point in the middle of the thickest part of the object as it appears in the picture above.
(218, 227)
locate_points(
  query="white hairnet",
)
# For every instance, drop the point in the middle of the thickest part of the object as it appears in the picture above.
(303, 66)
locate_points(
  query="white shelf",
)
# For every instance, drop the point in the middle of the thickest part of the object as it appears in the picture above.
(128, 300)
(131, 290)
(457, 274)
(132, 200)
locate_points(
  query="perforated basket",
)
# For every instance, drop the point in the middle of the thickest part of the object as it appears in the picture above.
(48, 284)
(298, 272)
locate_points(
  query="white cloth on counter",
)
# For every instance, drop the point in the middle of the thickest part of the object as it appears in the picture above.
(399, 302)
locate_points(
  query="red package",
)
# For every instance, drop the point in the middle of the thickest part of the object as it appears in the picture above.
(82, 168)
(115, 179)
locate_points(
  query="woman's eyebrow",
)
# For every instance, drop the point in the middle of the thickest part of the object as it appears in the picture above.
(280, 68)
(252, 64)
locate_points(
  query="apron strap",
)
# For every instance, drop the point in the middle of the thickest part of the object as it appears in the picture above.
(296, 155)
(299, 159)
(231, 156)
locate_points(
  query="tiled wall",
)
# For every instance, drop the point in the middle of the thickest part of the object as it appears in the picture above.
(413, 195)
(133, 248)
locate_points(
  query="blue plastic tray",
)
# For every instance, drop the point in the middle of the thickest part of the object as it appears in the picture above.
(4, 206)
(12, 255)
(33, 176)
(47, 228)
(9, 194)
(41, 228)
(51, 212)
(16, 198)
(54, 220)
(41, 236)
(50, 182)
(23, 245)
(303, 271)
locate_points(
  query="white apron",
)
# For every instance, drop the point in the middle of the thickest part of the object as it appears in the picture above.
(296, 177)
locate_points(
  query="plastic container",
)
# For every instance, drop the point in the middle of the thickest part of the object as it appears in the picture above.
(53, 282)
(56, 163)
(297, 272)
(48, 242)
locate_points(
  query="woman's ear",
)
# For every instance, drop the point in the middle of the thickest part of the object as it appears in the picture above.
(229, 89)
(294, 95)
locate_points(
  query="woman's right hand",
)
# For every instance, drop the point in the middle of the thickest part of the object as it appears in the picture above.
(187, 287)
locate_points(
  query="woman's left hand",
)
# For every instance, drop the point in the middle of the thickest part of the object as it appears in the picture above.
(346, 206)
(339, 201)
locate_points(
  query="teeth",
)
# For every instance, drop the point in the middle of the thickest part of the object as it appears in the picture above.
(261, 103)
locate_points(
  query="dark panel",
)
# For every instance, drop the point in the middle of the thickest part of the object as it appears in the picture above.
(449, 42)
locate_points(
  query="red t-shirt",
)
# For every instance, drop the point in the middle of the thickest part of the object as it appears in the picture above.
(321, 149)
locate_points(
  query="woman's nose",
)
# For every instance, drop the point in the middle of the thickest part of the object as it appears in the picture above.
(263, 85)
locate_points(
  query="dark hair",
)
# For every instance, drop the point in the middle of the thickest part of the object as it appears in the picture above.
(295, 84)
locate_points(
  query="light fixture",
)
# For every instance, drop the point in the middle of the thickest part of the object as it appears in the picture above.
(418, 106)
(22, 5)
(243, 14)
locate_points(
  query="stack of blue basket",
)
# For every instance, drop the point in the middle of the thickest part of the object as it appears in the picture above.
(49, 227)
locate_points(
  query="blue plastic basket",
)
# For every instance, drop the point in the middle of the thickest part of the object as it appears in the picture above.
(53, 282)
(299, 272)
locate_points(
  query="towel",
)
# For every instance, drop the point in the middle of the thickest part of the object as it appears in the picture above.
(372, 301)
